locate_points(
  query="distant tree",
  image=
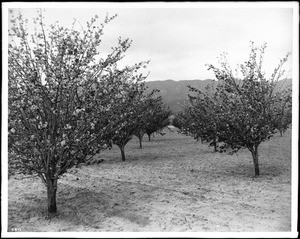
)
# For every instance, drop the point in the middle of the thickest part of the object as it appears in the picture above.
(206, 111)
(200, 118)
(248, 106)
(157, 117)
(133, 111)
(186, 122)
(140, 134)
(178, 120)
(62, 107)
(147, 114)
(283, 109)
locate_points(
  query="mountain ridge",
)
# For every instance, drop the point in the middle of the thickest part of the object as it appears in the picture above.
(175, 93)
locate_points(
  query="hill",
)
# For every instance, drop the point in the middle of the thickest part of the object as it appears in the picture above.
(175, 93)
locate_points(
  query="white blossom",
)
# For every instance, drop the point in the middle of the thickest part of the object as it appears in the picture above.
(63, 143)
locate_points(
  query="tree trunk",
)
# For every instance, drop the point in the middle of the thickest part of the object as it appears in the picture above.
(140, 139)
(281, 133)
(215, 145)
(149, 137)
(254, 152)
(51, 195)
(122, 152)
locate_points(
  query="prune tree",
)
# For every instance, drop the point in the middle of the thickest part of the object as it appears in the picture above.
(148, 106)
(179, 120)
(283, 109)
(61, 104)
(133, 110)
(187, 122)
(146, 115)
(157, 117)
(140, 134)
(205, 108)
(248, 106)
(200, 118)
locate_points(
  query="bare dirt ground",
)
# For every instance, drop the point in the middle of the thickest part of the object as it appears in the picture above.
(173, 184)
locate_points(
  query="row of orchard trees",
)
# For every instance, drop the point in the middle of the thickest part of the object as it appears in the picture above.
(241, 110)
(238, 110)
(66, 102)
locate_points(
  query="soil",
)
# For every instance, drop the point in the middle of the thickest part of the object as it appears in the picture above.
(172, 184)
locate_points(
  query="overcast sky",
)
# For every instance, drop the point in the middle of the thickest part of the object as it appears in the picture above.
(180, 39)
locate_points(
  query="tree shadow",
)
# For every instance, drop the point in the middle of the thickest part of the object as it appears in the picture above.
(77, 207)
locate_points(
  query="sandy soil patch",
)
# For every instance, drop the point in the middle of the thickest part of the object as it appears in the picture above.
(173, 184)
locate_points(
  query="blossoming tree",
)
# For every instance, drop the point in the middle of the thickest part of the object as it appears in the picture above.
(134, 112)
(245, 107)
(158, 117)
(62, 103)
